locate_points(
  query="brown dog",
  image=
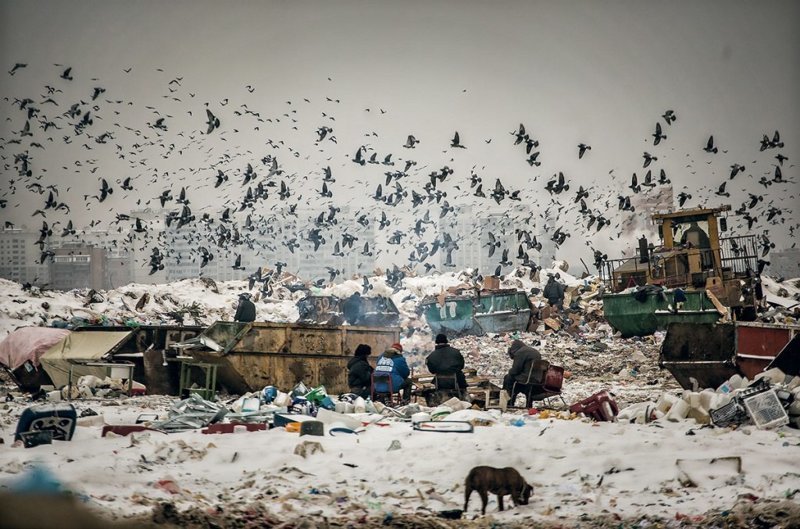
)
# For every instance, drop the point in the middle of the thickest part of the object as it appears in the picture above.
(500, 481)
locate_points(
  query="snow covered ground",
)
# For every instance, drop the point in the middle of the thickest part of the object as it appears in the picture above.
(583, 473)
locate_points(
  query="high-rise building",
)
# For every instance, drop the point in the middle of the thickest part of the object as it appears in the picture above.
(21, 257)
(78, 266)
(784, 263)
(476, 232)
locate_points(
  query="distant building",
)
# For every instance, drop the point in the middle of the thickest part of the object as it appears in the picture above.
(78, 266)
(784, 263)
(20, 257)
(476, 232)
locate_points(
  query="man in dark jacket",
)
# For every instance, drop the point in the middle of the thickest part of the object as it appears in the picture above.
(554, 291)
(246, 311)
(521, 372)
(359, 372)
(446, 361)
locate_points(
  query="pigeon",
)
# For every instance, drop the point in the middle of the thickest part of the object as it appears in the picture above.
(669, 117)
(16, 67)
(658, 135)
(721, 191)
(582, 148)
(710, 148)
(736, 169)
(358, 158)
(213, 122)
(411, 142)
(66, 74)
(648, 158)
(456, 142)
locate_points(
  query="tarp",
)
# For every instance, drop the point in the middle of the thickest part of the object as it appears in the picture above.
(80, 347)
(28, 343)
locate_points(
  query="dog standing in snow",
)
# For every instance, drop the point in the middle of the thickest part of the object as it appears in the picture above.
(500, 481)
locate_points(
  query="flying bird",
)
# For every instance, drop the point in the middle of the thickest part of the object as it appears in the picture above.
(658, 135)
(710, 147)
(582, 148)
(456, 142)
(212, 122)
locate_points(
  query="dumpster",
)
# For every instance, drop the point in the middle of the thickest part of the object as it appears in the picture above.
(712, 353)
(500, 310)
(257, 354)
(375, 311)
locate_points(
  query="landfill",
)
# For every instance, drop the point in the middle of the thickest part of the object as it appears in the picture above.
(626, 447)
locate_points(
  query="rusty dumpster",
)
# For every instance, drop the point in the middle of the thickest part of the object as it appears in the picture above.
(250, 356)
(711, 353)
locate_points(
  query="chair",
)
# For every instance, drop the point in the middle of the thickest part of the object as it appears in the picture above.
(542, 390)
(446, 386)
(387, 397)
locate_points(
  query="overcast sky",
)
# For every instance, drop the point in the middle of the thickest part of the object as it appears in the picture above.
(595, 72)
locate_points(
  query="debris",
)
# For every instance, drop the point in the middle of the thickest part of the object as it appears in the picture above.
(307, 448)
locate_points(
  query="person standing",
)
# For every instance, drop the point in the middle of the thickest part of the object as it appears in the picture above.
(392, 364)
(446, 361)
(246, 311)
(359, 372)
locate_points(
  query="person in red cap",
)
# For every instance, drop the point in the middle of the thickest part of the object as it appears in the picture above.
(391, 364)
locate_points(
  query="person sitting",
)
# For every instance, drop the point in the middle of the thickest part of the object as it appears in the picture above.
(445, 362)
(246, 311)
(359, 372)
(391, 364)
(522, 369)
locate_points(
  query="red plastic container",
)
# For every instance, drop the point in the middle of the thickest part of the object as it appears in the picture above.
(600, 407)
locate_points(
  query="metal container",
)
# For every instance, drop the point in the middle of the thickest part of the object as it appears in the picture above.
(712, 353)
(253, 355)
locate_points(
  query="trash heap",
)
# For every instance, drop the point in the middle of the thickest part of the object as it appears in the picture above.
(769, 401)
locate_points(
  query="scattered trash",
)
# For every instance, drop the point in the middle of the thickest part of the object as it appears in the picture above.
(600, 407)
(444, 426)
(307, 448)
(58, 419)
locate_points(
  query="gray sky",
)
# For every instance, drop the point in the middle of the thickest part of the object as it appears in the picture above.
(601, 73)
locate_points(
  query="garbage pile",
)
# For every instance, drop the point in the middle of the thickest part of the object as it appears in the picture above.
(770, 401)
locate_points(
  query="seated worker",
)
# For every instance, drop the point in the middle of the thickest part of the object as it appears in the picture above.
(524, 357)
(246, 311)
(359, 372)
(446, 361)
(392, 364)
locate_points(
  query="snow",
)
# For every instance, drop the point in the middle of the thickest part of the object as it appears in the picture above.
(577, 467)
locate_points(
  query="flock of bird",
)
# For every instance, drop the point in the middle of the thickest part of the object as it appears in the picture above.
(269, 198)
